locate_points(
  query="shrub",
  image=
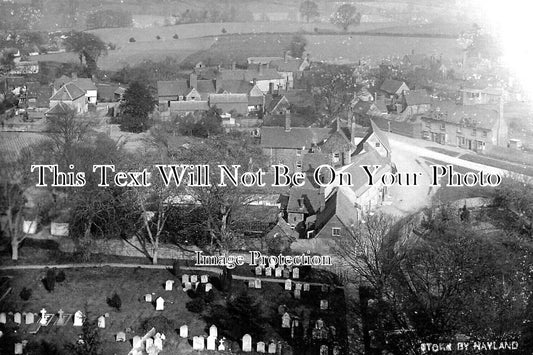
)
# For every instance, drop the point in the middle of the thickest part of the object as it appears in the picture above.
(160, 323)
(176, 36)
(209, 297)
(157, 37)
(176, 268)
(50, 280)
(215, 281)
(227, 280)
(25, 294)
(196, 305)
(224, 30)
(132, 40)
(60, 277)
(115, 301)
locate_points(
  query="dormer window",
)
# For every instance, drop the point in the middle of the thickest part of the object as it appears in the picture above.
(335, 232)
(336, 157)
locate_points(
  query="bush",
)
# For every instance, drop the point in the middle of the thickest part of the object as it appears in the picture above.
(115, 301)
(209, 296)
(158, 37)
(224, 30)
(50, 280)
(215, 281)
(60, 277)
(160, 323)
(176, 36)
(196, 305)
(176, 268)
(25, 294)
(132, 40)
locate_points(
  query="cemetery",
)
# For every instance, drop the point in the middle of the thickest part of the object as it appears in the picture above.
(160, 313)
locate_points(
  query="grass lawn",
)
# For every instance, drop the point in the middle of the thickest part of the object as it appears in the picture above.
(513, 167)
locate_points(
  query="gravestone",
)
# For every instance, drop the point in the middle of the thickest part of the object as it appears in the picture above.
(18, 349)
(17, 318)
(298, 286)
(222, 345)
(319, 324)
(101, 322)
(159, 304)
(208, 287)
(324, 350)
(121, 336)
(168, 285)
(184, 331)
(30, 318)
(251, 283)
(149, 343)
(78, 319)
(297, 294)
(260, 347)
(137, 342)
(258, 271)
(185, 278)
(295, 273)
(43, 317)
(158, 343)
(213, 331)
(187, 286)
(204, 279)
(3, 318)
(272, 348)
(323, 305)
(288, 285)
(194, 279)
(211, 343)
(198, 343)
(286, 273)
(286, 320)
(61, 318)
(272, 264)
(307, 287)
(279, 272)
(268, 272)
(247, 343)
(257, 283)
(148, 297)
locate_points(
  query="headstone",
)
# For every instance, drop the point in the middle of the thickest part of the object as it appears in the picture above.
(286, 320)
(149, 343)
(323, 305)
(187, 286)
(272, 348)
(298, 286)
(272, 264)
(137, 342)
(121, 336)
(158, 343)
(247, 343)
(43, 316)
(279, 272)
(260, 347)
(18, 349)
(60, 317)
(78, 319)
(286, 273)
(194, 278)
(213, 331)
(184, 331)
(30, 318)
(159, 304)
(307, 287)
(257, 283)
(17, 318)
(3, 318)
(208, 287)
(258, 271)
(268, 272)
(319, 324)
(185, 278)
(101, 322)
(148, 297)
(297, 294)
(211, 343)
(295, 273)
(288, 285)
(251, 283)
(198, 343)
(222, 345)
(324, 350)
(204, 279)
(168, 285)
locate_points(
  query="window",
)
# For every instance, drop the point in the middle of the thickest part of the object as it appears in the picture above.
(298, 153)
(428, 124)
(335, 232)
(298, 165)
(459, 129)
(443, 126)
(474, 132)
(336, 157)
(378, 144)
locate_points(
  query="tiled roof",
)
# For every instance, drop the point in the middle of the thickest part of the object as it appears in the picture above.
(291, 65)
(188, 106)
(205, 86)
(296, 138)
(172, 88)
(311, 161)
(60, 108)
(255, 100)
(68, 92)
(276, 100)
(305, 200)
(234, 86)
(338, 204)
(227, 98)
(369, 157)
(482, 116)
(84, 83)
(391, 86)
(249, 75)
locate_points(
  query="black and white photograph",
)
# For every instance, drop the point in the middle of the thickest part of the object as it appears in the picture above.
(309, 177)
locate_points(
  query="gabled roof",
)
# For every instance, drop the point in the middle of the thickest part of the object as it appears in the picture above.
(84, 83)
(380, 135)
(305, 200)
(339, 205)
(369, 157)
(186, 106)
(62, 80)
(228, 98)
(417, 97)
(381, 106)
(68, 92)
(276, 101)
(311, 161)
(391, 86)
(482, 116)
(205, 86)
(234, 86)
(255, 100)
(289, 65)
(172, 88)
(59, 109)
(249, 75)
(296, 138)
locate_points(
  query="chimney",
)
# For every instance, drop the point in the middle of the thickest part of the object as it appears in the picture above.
(254, 81)
(233, 65)
(287, 122)
(376, 96)
(193, 80)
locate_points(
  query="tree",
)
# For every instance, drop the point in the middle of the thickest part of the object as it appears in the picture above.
(309, 9)
(88, 46)
(137, 105)
(297, 46)
(345, 16)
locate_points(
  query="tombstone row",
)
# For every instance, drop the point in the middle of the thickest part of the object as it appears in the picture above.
(29, 318)
(278, 272)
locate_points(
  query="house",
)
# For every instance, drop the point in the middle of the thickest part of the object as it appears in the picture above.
(281, 235)
(58, 110)
(230, 103)
(290, 68)
(71, 95)
(414, 102)
(186, 107)
(489, 95)
(85, 84)
(471, 127)
(266, 78)
(38, 96)
(183, 90)
(393, 88)
(376, 139)
(416, 61)
(276, 105)
(304, 202)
